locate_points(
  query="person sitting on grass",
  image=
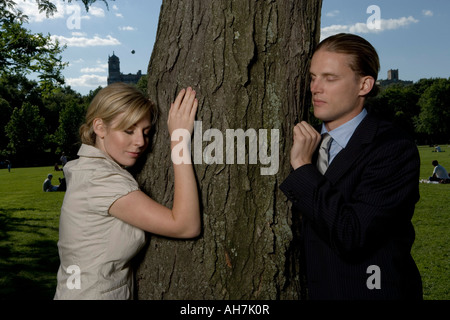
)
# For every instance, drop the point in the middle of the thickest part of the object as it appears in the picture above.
(47, 186)
(440, 174)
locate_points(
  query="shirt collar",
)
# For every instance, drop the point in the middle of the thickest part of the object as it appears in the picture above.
(91, 152)
(342, 134)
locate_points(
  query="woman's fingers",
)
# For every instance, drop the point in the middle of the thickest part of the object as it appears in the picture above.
(188, 101)
(183, 110)
(194, 109)
(177, 103)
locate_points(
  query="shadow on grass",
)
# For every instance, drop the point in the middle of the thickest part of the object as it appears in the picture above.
(29, 256)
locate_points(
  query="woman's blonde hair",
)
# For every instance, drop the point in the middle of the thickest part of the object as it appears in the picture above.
(115, 99)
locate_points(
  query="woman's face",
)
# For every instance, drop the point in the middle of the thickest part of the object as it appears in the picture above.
(124, 146)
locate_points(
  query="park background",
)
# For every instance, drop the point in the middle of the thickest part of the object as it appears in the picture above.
(41, 114)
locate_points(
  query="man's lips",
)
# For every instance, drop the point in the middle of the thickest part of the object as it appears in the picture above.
(318, 102)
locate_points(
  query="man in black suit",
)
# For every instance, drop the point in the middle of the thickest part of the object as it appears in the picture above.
(357, 194)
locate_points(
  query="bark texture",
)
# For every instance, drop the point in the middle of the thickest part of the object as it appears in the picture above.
(249, 63)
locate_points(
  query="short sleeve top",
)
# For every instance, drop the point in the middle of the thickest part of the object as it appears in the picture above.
(94, 247)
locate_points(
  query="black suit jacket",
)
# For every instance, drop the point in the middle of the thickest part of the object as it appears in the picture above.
(358, 215)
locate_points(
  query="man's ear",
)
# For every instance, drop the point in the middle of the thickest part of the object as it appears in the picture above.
(367, 84)
(99, 128)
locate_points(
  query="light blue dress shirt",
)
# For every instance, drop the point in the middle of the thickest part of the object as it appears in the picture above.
(341, 135)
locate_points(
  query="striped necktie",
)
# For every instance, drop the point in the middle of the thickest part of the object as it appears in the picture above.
(322, 160)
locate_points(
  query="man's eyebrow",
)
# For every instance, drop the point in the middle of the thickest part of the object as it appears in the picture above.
(325, 74)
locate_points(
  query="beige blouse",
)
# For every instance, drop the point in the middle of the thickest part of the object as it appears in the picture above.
(94, 247)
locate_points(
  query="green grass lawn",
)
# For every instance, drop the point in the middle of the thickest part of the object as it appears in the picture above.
(29, 221)
(431, 220)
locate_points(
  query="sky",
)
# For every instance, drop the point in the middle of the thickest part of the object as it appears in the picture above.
(409, 35)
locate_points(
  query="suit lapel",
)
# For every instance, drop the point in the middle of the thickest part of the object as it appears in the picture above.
(363, 135)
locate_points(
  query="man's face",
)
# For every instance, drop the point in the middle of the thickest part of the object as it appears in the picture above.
(337, 92)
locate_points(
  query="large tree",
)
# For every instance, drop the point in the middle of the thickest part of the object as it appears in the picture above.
(248, 61)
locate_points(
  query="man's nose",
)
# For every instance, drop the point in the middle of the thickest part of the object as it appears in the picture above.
(316, 86)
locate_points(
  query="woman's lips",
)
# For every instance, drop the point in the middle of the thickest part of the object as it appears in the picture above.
(134, 154)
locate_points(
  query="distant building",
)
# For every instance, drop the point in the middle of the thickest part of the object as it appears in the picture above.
(114, 74)
(393, 78)
(393, 75)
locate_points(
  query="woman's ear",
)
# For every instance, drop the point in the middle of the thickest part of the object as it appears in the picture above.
(99, 128)
(367, 84)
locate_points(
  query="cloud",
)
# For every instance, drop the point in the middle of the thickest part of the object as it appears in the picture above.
(116, 8)
(97, 12)
(78, 34)
(361, 28)
(427, 13)
(87, 80)
(127, 28)
(30, 9)
(333, 13)
(77, 41)
(64, 10)
(99, 69)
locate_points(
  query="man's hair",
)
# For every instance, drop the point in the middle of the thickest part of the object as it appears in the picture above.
(364, 58)
(435, 163)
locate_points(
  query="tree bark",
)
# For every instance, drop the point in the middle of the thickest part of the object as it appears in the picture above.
(249, 63)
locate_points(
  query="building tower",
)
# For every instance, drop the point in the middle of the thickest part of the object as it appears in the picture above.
(113, 69)
(393, 75)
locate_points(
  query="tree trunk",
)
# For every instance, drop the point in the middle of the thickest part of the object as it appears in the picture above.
(249, 63)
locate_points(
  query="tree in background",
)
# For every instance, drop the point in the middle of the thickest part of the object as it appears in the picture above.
(22, 52)
(61, 108)
(249, 63)
(26, 132)
(421, 109)
(67, 136)
(397, 104)
(434, 117)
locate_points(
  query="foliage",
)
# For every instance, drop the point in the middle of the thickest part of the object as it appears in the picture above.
(434, 118)
(421, 109)
(9, 11)
(55, 112)
(66, 136)
(22, 52)
(143, 85)
(26, 131)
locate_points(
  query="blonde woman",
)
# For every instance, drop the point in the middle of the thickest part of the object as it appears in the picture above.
(104, 214)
